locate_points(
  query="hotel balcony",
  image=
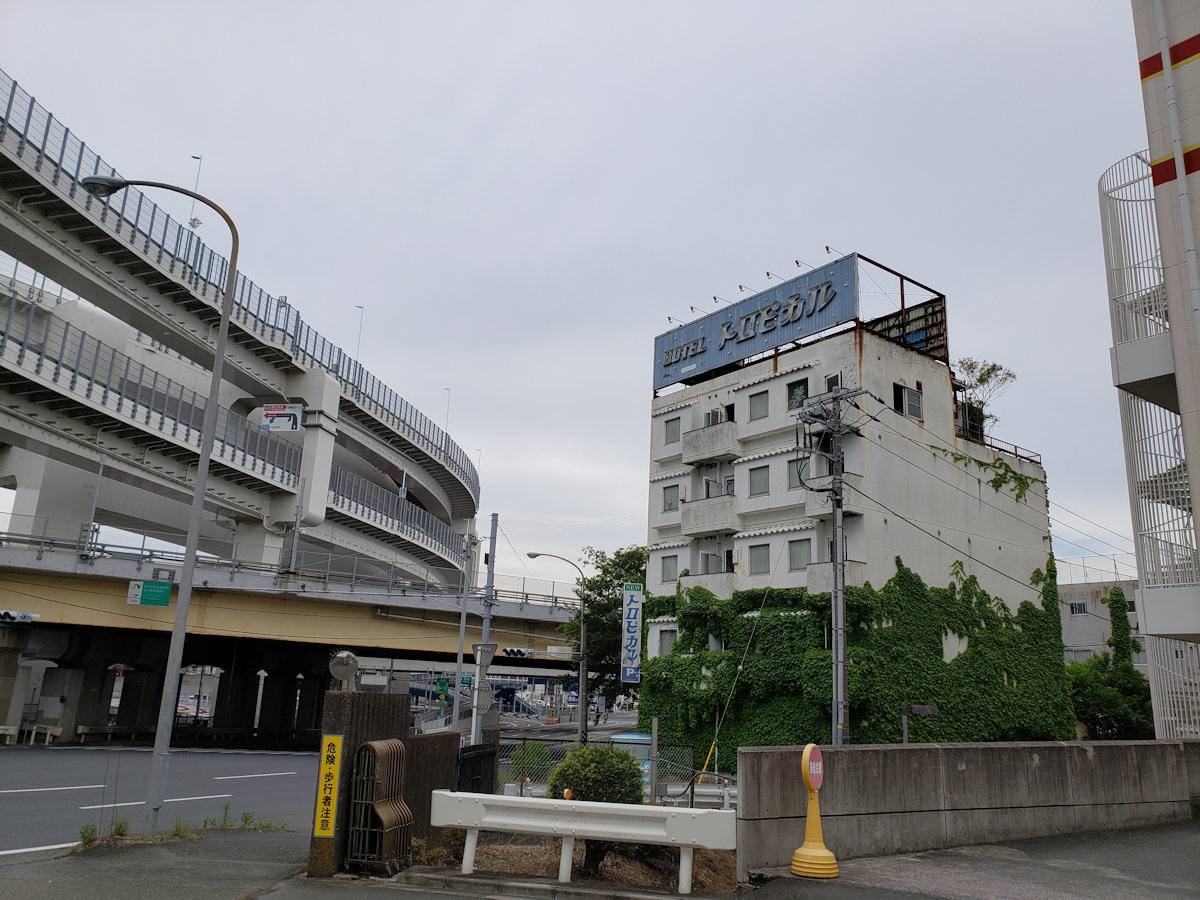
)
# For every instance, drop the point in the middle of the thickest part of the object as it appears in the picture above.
(711, 444)
(712, 515)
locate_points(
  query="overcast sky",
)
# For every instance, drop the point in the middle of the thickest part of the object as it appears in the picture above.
(520, 194)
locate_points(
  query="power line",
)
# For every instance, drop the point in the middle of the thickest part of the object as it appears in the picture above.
(973, 559)
(981, 480)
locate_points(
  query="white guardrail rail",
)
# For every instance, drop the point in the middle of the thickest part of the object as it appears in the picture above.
(713, 829)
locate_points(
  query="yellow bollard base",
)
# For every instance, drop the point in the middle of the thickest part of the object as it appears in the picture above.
(814, 861)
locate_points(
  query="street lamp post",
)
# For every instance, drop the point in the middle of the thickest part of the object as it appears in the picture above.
(583, 666)
(101, 186)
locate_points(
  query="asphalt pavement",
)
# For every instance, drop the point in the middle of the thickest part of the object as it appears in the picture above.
(1161, 862)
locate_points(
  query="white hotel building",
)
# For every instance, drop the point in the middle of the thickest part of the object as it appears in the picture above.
(738, 493)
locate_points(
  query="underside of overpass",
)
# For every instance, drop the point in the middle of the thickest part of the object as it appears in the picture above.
(265, 654)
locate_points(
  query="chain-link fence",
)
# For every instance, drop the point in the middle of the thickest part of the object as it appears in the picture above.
(525, 767)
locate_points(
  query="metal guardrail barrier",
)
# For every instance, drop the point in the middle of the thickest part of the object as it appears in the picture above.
(380, 833)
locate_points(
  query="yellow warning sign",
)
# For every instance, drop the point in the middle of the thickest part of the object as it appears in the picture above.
(327, 785)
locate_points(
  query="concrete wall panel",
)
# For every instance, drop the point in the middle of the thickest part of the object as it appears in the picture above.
(895, 799)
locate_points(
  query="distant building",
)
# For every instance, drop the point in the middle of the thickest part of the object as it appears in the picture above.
(1086, 624)
(754, 404)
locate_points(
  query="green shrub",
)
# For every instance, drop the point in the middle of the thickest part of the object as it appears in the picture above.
(87, 834)
(120, 827)
(600, 774)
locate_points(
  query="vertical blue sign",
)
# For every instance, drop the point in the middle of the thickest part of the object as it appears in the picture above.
(631, 635)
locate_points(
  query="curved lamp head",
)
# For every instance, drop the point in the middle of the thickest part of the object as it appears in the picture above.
(102, 185)
(533, 555)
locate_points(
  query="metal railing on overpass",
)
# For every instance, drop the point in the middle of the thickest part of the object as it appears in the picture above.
(28, 129)
(78, 364)
(340, 573)
(365, 499)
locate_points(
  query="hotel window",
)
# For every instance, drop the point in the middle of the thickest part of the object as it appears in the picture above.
(670, 568)
(797, 393)
(907, 401)
(671, 427)
(799, 471)
(760, 480)
(666, 641)
(799, 554)
(759, 407)
(760, 559)
(1079, 609)
(833, 382)
(671, 498)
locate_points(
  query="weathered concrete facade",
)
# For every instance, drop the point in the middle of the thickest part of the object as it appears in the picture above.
(888, 799)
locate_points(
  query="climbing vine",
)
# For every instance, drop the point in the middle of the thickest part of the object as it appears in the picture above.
(993, 673)
(1004, 475)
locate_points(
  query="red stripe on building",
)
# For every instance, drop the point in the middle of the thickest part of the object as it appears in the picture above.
(1180, 53)
(1163, 171)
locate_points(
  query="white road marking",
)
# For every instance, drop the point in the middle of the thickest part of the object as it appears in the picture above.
(263, 775)
(114, 805)
(74, 787)
(167, 800)
(37, 849)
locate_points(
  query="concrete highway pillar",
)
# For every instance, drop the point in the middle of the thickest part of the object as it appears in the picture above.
(278, 703)
(320, 393)
(308, 710)
(14, 687)
(89, 694)
(256, 544)
(139, 698)
(51, 498)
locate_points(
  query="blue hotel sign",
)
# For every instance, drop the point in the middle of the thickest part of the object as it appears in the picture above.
(813, 302)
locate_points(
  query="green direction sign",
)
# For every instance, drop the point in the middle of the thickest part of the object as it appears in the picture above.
(466, 680)
(443, 685)
(149, 593)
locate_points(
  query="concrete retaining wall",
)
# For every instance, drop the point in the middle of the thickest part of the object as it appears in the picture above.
(887, 799)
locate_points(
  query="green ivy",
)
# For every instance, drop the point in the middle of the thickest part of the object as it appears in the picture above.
(1003, 474)
(771, 684)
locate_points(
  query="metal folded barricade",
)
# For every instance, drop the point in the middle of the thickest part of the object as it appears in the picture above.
(381, 824)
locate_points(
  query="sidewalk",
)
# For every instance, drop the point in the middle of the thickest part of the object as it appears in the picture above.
(1161, 861)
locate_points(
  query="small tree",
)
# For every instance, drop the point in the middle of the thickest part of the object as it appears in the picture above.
(1111, 697)
(602, 594)
(601, 774)
(983, 381)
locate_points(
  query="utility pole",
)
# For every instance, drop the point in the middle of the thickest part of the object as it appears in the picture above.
(827, 412)
(482, 663)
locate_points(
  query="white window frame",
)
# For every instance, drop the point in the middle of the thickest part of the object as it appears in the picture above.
(750, 559)
(667, 563)
(670, 498)
(793, 404)
(763, 489)
(912, 402)
(763, 398)
(1079, 609)
(795, 545)
(833, 382)
(671, 435)
(798, 469)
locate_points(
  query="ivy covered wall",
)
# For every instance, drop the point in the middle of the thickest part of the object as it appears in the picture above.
(771, 683)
